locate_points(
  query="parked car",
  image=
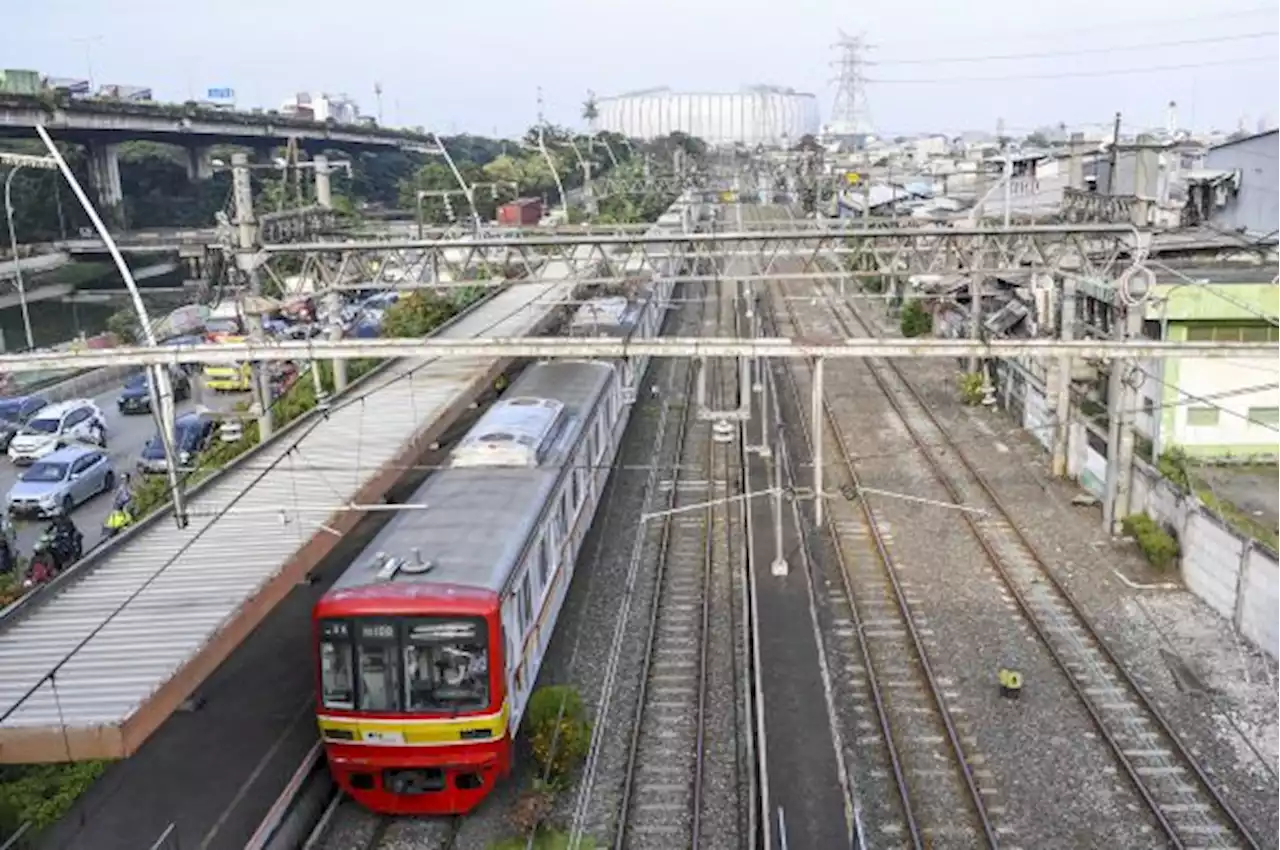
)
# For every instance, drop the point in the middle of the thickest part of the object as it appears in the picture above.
(60, 481)
(193, 432)
(136, 395)
(58, 425)
(14, 413)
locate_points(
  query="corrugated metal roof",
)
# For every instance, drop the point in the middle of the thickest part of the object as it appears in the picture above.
(204, 579)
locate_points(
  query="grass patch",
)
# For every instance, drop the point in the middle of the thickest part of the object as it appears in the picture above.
(1242, 522)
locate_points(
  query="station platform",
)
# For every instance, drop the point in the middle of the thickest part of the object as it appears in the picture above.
(98, 661)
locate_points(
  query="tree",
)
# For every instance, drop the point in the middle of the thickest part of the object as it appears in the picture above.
(916, 321)
(416, 315)
(590, 112)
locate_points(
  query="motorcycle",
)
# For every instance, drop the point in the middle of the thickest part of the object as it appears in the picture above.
(60, 546)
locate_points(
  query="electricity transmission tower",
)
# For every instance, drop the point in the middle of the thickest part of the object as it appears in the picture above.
(850, 115)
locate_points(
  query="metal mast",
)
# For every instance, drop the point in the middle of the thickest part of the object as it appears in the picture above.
(850, 115)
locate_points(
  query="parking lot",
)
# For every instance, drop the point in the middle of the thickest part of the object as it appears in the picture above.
(126, 436)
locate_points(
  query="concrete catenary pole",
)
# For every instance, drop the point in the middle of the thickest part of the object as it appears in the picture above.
(246, 246)
(324, 194)
(1062, 389)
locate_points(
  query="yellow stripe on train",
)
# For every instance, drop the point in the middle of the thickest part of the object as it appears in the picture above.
(415, 733)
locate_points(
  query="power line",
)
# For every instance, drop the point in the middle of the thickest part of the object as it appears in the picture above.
(1117, 72)
(1080, 51)
(1145, 23)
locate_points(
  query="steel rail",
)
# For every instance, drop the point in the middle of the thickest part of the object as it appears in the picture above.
(998, 562)
(909, 621)
(667, 534)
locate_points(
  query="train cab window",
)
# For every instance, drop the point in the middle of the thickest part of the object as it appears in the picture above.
(378, 666)
(337, 684)
(446, 665)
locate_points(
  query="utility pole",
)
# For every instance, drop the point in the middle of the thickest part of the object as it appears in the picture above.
(975, 305)
(546, 155)
(246, 248)
(1007, 167)
(1115, 150)
(1066, 331)
(377, 93)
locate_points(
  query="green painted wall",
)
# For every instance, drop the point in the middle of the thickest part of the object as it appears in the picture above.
(1214, 302)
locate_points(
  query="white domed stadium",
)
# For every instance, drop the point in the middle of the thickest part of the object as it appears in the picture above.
(761, 115)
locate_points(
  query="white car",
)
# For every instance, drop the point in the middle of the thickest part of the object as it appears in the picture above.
(58, 425)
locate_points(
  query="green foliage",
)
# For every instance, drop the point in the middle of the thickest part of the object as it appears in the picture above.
(1173, 466)
(42, 793)
(416, 315)
(971, 388)
(124, 324)
(916, 320)
(558, 730)
(1159, 546)
(547, 839)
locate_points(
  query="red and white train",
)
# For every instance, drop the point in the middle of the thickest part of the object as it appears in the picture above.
(429, 644)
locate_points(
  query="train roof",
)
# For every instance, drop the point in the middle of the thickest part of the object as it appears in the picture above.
(614, 315)
(482, 508)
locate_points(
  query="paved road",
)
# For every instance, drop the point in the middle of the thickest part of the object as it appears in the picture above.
(126, 435)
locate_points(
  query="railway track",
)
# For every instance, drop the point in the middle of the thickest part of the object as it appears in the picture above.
(913, 775)
(661, 805)
(1183, 800)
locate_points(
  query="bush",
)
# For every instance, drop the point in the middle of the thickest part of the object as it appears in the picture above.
(417, 314)
(124, 325)
(1159, 546)
(1173, 466)
(971, 387)
(560, 738)
(916, 321)
(40, 794)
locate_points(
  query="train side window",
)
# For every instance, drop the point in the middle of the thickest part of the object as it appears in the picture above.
(526, 603)
(562, 521)
(571, 489)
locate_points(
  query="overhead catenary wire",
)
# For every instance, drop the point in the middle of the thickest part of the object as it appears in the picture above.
(1062, 75)
(1081, 51)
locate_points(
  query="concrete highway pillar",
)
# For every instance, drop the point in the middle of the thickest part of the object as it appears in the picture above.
(199, 162)
(104, 175)
(324, 196)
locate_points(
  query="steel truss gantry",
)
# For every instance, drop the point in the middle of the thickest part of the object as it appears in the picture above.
(588, 347)
(1097, 251)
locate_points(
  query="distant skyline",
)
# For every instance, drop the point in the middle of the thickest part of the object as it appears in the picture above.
(940, 66)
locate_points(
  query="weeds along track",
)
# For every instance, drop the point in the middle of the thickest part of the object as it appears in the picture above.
(1185, 804)
(662, 796)
(913, 782)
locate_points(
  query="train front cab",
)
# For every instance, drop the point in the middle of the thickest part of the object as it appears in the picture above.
(409, 724)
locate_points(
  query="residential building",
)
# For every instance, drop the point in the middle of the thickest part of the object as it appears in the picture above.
(322, 107)
(1252, 208)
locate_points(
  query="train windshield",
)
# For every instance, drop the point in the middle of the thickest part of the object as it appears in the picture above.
(442, 663)
(446, 665)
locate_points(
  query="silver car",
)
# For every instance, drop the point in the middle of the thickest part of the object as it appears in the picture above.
(60, 481)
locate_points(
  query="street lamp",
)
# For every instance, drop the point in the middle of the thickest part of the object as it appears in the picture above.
(159, 386)
(16, 162)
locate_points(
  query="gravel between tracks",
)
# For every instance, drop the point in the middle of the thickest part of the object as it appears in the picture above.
(1218, 692)
(1047, 778)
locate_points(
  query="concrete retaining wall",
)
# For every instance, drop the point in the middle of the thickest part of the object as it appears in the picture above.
(88, 384)
(1234, 574)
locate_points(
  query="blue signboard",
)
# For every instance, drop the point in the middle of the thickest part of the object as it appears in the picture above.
(222, 94)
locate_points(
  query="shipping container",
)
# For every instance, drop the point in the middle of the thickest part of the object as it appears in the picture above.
(16, 81)
(523, 212)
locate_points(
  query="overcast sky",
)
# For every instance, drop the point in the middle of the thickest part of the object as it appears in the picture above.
(476, 66)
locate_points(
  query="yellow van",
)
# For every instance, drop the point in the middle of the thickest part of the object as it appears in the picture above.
(229, 378)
